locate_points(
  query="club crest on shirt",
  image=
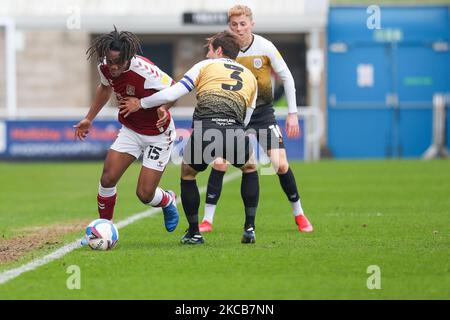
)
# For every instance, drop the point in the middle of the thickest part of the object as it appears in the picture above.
(257, 63)
(130, 90)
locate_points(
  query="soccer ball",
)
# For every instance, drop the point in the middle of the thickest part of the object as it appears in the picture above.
(101, 234)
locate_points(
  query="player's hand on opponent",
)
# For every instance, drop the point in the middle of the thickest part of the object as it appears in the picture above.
(292, 127)
(129, 105)
(163, 116)
(82, 129)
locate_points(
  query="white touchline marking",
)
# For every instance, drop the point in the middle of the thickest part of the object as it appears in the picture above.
(8, 275)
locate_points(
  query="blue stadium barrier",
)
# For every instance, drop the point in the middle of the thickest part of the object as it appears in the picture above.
(381, 82)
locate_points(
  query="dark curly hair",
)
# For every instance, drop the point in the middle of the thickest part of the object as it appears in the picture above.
(124, 41)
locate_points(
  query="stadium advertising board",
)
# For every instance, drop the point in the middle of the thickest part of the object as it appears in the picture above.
(46, 140)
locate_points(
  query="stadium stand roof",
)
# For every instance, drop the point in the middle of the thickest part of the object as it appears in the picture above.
(162, 16)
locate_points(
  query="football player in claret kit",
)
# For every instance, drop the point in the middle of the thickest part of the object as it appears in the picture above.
(226, 96)
(261, 57)
(126, 74)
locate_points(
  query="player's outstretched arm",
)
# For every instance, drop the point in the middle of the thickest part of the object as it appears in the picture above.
(169, 95)
(292, 127)
(280, 67)
(166, 96)
(102, 95)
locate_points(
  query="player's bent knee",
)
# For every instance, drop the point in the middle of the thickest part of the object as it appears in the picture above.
(145, 195)
(220, 165)
(248, 167)
(187, 172)
(283, 167)
(108, 181)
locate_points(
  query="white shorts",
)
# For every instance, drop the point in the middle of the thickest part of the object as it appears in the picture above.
(156, 150)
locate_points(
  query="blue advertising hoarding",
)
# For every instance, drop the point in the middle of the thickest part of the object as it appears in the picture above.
(55, 139)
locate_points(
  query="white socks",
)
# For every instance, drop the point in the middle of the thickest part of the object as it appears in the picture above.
(297, 209)
(161, 198)
(210, 209)
(106, 192)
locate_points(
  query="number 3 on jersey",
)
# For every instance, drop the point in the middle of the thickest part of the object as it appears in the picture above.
(234, 75)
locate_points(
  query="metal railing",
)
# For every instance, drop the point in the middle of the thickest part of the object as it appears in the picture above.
(438, 146)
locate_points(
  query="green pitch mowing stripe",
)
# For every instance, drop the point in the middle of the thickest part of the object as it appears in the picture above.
(47, 195)
(10, 274)
(393, 215)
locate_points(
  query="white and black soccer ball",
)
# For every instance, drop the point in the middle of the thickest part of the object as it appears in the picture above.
(101, 234)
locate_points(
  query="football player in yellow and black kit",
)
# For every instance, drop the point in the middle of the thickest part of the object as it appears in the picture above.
(226, 98)
(262, 57)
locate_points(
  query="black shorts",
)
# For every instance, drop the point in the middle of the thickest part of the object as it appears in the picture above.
(207, 144)
(266, 129)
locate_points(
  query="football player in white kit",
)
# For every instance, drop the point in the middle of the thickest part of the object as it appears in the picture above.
(261, 57)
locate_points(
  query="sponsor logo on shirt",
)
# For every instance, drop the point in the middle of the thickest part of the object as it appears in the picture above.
(130, 90)
(257, 63)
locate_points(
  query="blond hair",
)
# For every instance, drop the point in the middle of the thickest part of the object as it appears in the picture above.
(239, 10)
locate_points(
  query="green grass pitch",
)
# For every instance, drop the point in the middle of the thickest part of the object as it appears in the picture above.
(391, 214)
